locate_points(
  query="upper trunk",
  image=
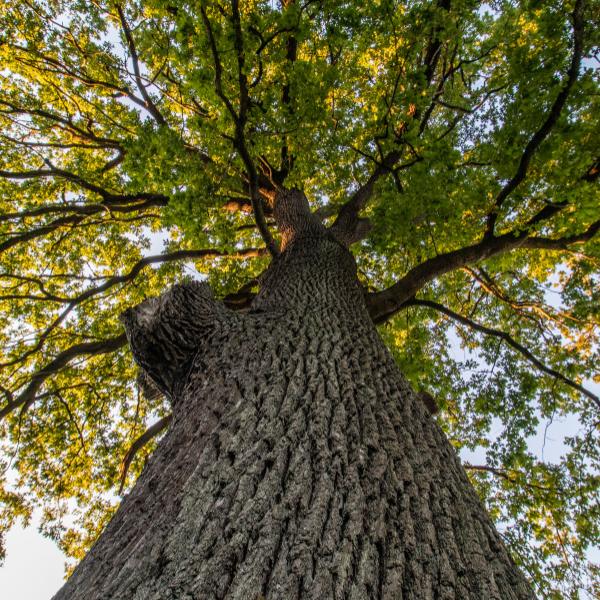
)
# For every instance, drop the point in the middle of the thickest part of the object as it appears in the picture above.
(299, 463)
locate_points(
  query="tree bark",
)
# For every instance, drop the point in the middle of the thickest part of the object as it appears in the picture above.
(298, 463)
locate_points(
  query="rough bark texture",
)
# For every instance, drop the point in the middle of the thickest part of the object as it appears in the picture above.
(299, 463)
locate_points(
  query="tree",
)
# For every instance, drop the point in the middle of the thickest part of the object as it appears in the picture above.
(450, 145)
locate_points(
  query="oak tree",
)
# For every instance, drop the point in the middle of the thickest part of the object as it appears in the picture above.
(302, 172)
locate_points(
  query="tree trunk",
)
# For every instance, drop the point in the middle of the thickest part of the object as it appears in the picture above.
(298, 463)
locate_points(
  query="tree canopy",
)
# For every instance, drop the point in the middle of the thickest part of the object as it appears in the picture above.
(141, 143)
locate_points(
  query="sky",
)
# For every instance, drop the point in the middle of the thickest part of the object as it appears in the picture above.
(34, 566)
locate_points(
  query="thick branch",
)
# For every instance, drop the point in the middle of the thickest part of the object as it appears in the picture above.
(382, 305)
(508, 340)
(51, 171)
(240, 119)
(67, 221)
(287, 159)
(54, 172)
(347, 222)
(25, 279)
(217, 64)
(432, 54)
(112, 202)
(240, 140)
(32, 234)
(544, 243)
(72, 208)
(61, 145)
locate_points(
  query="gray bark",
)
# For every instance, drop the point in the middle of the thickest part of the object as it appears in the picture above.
(299, 463)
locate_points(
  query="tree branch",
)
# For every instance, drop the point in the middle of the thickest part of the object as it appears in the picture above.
(432, 54)
(28, 396)
(240, 140)
(287, 159)
(240, 119)
(60, 68)
(164, 258)
(148, 435)
(544, 243)
(112, 202)
(83, 209)
(60, 121)
(69, 220)
(52, 171)
(72, 418)
(120, 279)
(41, 339)
(508, 340)
(542, 133)
(525, 308)
(148, 102)
(347, 221)
(383, 305)
(507, 476)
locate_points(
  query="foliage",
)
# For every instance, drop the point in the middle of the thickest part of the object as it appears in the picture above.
(464, 124)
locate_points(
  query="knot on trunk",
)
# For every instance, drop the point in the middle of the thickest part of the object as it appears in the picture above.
(165, 332)
(294, 218)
